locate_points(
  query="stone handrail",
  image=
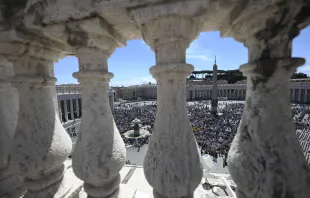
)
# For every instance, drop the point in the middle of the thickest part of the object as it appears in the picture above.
(265, 159)
(68, 89)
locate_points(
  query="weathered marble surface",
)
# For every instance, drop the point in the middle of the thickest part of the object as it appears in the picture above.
(40, 144)
(10, 183)
(171, 164)
(265, 158)
(168, 27)
(230, 17)
(100, 151)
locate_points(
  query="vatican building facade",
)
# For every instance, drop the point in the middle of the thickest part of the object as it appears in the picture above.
(69, 99)
(202, 90)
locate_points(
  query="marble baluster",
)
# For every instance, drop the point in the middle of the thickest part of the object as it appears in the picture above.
(40, 144)
(171, 164)
(265, 158)
(10, 183)
(100, 151)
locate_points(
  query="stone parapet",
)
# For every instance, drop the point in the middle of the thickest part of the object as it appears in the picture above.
(265, 158)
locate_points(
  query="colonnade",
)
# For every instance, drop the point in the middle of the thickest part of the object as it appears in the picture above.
(70, 102)
(70, 109)
(265, 159)
(300, 95)
(201, 93)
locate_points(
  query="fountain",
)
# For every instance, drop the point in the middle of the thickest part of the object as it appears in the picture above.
(136, 125)
(137, 132)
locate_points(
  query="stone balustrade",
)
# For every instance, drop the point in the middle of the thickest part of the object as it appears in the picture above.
(265, 159)
(300, 91)
(68, 89)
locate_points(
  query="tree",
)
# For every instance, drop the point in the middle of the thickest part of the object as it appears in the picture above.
(232, 76)
(299, 75)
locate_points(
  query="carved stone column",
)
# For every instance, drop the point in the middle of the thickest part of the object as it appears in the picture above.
(71, 109)
(10, 182)
(40, 144)
(66, 110)
(305, 96)
(299, 95)
(171, 163)
(265, 158)
(100, 152)
(77, 108)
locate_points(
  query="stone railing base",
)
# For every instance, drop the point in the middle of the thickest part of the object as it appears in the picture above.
(71, 184)
(12, 184)
(125, 192)
(77, 184)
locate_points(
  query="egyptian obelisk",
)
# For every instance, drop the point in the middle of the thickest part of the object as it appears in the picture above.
(214, 101)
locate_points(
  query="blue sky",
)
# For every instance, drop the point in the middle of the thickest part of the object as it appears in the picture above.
(131, 64)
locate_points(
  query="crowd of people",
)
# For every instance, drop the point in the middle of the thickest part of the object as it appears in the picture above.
(124, 114)
(213, 134)
(301, 117)
(72, 131)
